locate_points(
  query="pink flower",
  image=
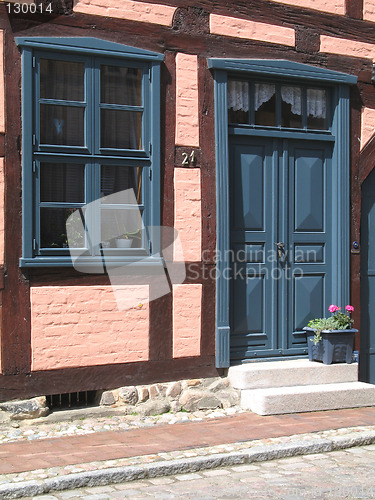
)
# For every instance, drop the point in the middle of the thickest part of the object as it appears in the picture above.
(349, 308)
(332, 308)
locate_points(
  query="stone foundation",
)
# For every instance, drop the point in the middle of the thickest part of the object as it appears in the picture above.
(145, 400)
(184, 395)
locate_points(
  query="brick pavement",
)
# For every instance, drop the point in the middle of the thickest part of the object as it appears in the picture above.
(16, 457)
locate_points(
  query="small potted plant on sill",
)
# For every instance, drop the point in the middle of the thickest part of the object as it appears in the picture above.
(331, 340)
(125, 240)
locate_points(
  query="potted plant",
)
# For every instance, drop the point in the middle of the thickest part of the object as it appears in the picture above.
(125, 240)
(331, 340)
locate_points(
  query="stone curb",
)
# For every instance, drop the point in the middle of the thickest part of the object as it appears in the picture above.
(183, 466)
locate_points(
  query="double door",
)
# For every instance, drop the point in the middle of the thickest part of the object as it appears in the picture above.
(281, 215)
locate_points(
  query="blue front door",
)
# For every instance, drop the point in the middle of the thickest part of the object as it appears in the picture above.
(281, 212)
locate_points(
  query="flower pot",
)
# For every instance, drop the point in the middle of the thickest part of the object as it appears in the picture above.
(123, 243)
(334, 347)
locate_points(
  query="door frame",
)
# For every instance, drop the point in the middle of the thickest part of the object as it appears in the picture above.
(340, 163)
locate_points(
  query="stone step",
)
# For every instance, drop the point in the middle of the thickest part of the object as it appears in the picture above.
(305, 398)
(286, 373)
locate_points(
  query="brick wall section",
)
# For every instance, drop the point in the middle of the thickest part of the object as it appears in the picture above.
(333, 6)
(369, 10)
(188, 213)
(128, 9)
(343, 46)
(2, 218)
(187, 121)
(187, 312)
(82, 326)
(367, 125)
(251, 30)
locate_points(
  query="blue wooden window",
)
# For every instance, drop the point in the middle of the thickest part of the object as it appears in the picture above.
(91, 130)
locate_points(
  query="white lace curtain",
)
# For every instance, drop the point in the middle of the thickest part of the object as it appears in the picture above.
(238, 98)
(263, 93)
(293, 96)
(316, 103)
(238, 95)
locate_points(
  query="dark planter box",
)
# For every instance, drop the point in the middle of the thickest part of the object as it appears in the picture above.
(335, 346)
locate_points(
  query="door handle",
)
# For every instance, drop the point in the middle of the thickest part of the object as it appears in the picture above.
(280, 250)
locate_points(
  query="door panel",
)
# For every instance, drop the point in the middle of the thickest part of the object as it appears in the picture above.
(252, 177)
(309, 289)
(278, 194)
(308, 166)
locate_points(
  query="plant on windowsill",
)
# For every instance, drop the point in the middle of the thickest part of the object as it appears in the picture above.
(331, 339)
(125, 240)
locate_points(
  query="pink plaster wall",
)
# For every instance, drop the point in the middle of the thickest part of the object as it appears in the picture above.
(369, 10)
(82, 326)
(334, 45)
(187, 120)
(2, 218)
(367, 125)
(187, 212)
(187, 312)
(128, 9)
(332, 6)
(1, 314)
(251, 30)
(2, 93)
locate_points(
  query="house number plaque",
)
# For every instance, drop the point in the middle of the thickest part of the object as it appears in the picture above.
(188, 159)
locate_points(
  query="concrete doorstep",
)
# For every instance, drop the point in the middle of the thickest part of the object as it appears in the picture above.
(293, 446)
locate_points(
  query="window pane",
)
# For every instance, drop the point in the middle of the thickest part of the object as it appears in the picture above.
(53, 231)
(238, 101)
(265, 104)
(121, 224)
(120, 85)
(62, 80)
(61, 125)
(118, 179)
(63, 182)
(291, 107)
(317, 109)
(121, 129)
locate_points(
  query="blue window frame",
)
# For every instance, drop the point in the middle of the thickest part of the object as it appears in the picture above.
(91, 129)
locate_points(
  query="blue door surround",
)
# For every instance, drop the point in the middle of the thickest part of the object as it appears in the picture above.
(339, 195)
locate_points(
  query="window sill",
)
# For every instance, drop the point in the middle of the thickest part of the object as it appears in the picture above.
(93, 264)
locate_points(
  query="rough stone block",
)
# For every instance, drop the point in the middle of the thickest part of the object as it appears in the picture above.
(193, 382)
(153, 407)
(174, 390)
(153, 391)
(192, 400)
(26, 409)
(107, 399)
(128, 395)
(175, 406)
(219, 385)
(143, 394)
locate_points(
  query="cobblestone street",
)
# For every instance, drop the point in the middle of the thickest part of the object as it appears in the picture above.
(335, 475)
